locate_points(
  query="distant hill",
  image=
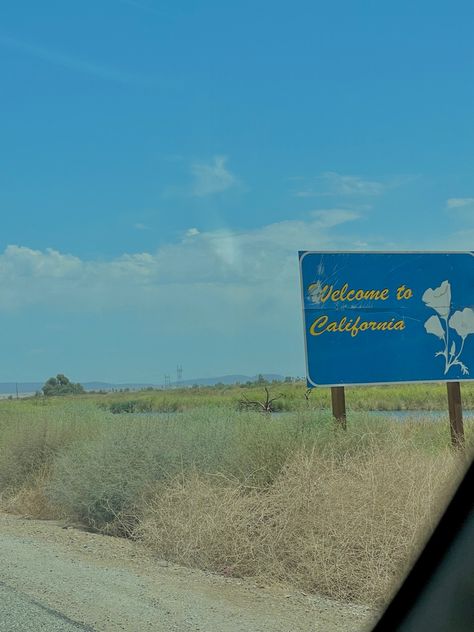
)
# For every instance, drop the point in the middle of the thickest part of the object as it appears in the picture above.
(230, 379)
(28, 388)
(9, 388)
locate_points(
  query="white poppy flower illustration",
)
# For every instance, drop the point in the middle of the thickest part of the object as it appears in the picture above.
(433, 326)
(461, 322)
(439, 299)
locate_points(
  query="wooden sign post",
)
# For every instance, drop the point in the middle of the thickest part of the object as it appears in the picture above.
(455, 414)
(338, 401)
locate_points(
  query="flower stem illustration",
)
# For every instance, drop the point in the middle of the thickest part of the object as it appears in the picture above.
(439, 325)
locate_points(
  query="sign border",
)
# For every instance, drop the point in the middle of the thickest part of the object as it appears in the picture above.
(302, 254)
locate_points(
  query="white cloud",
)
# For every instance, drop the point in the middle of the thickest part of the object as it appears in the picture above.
(69, 62)
(460, 240)
(213, 177)
(20, 262)
(140, 226)
(213, 272)
(192, 232)
(197, 280)
(221, 298)
(461, 209)
(460, 202)
(331, 183)
(334, 216)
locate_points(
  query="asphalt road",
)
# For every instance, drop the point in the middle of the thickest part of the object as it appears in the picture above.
(20, 613)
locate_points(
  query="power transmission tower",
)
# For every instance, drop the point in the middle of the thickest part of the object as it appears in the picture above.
(179, 373)
(167, 381)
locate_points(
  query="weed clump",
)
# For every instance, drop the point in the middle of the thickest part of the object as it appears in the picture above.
(143, 406)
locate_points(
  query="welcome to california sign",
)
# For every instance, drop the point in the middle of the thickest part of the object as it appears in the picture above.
(387, 317)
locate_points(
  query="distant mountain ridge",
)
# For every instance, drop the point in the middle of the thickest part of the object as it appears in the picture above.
(230, 379)
(9, 388)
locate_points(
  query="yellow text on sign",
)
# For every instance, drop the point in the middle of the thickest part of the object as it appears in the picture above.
(322, 324)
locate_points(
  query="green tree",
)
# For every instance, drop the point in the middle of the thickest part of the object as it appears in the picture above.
(61, 385)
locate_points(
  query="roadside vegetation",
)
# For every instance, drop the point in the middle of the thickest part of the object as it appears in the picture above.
(287, 497)
(409, 397)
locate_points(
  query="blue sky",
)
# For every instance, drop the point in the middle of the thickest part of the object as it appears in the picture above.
(161, 164)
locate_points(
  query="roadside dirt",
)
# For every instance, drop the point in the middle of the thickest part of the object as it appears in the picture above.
(112, 584)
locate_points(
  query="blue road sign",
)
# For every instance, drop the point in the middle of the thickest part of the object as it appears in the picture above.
(372, 318)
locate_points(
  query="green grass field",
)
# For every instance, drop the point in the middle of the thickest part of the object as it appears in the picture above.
(289, 497)
(363, 398)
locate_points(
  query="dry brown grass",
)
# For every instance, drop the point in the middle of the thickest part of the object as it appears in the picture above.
(345, 527)
(30, 500)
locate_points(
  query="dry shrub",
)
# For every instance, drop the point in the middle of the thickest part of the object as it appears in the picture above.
(99, 482)
(31, 438)
(345, 527)
(203, 521)
(27, 450)
(351, 528)
(31, 500)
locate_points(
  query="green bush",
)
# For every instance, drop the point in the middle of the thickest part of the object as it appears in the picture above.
(61, 385)
(130, 406)
(100, 482)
